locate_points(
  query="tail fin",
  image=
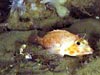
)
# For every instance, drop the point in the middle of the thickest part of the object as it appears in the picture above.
(34, 39)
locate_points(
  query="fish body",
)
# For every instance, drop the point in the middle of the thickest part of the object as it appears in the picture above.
(63, 42)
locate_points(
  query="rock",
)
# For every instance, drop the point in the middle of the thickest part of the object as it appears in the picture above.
(8, 40)
(87, 26)
(92, 68)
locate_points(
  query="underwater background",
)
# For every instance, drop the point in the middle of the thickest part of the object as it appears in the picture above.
(20, 20)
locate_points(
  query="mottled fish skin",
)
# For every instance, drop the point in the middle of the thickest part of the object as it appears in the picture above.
(63, 42)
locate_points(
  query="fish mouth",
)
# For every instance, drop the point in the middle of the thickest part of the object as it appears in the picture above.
(91, 52)
(88, 53)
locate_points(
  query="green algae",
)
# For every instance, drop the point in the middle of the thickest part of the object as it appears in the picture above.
(8, 40)
(39, 22)
(87, 26)
(92, 68)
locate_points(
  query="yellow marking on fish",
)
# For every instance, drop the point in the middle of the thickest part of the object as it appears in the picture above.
(63, 42)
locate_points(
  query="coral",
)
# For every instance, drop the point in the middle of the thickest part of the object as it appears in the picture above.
(26, 23)
(17, 5)
(27, 8)
(31, 17)
(62, 11)
(58, 4)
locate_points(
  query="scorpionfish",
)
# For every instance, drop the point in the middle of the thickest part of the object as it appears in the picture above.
(63, 42)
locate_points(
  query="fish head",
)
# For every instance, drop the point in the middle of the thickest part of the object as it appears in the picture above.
(80, 47)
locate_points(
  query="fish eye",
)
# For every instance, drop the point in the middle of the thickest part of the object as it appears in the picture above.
(78, 43)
